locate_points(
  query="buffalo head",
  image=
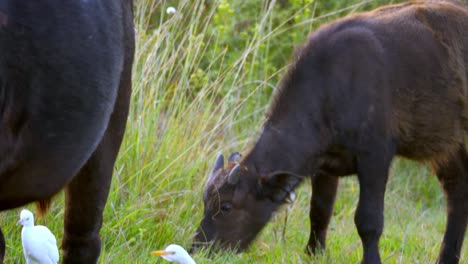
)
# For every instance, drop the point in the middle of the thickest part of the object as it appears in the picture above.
(239, 202)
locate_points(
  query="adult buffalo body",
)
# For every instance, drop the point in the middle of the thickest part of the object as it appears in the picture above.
(393, 81)
(65, 84)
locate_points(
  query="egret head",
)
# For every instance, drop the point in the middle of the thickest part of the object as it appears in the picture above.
(26, 218)
(174, 253)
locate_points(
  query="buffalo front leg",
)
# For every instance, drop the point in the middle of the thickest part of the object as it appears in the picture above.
(372, 174)
(324, 189)
(453, 177)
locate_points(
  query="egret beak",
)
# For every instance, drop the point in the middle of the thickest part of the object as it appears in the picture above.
(162, 253)
(20, 222)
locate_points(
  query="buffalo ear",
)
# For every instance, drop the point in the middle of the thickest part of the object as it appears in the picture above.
(279, 185)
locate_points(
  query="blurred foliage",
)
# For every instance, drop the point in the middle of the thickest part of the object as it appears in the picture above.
(250, 40)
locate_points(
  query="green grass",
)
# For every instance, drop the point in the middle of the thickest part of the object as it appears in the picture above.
(200, 88)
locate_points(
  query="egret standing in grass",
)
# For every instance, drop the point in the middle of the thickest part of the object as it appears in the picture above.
(175, 253)
(39, 244)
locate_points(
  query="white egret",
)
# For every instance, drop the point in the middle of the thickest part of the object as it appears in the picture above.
(174, 253)
(39, 244)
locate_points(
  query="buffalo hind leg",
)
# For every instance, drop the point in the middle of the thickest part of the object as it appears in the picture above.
(2, 247)
(453, 177)
(324, 189)
(372, 174)
(86, 194)
(86, 197)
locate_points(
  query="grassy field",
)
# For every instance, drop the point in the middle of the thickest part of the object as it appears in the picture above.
(202, 82)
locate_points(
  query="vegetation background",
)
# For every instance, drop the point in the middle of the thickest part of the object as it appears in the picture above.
(203, 78)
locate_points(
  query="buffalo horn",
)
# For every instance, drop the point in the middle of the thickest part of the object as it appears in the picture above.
(234, 157)
(219, 164)
(234, 175)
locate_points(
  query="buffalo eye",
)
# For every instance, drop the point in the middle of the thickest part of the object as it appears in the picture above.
(226, 207)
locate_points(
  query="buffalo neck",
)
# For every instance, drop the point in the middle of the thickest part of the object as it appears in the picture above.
(283, 149)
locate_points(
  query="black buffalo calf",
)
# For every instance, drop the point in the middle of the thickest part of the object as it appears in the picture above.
(363, 89)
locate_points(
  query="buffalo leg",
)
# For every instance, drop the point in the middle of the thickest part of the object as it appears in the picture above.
(2, 247)
(324, 189)
(85, 200)
(453, 177)
(369, 218)
(86, 195)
